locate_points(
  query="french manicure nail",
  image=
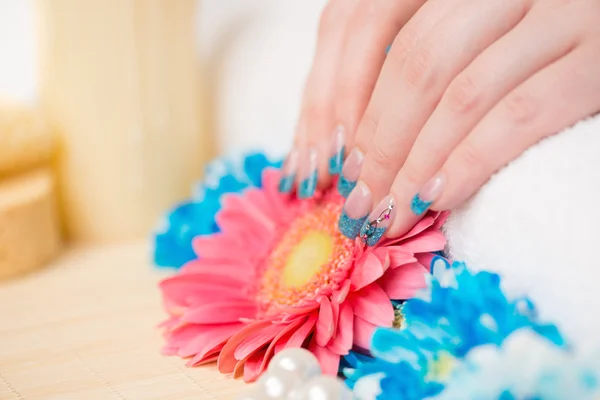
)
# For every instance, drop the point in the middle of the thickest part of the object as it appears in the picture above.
(308, 182)
(350, 172)
(337, 150)
(427, 195)
(288, 172)
(355, 211)
(378, 221)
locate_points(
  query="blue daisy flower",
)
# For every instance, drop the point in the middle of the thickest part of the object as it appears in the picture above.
(526, 366)
(457, 312)
(196, 216)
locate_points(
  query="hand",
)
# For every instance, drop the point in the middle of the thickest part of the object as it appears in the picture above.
(468, 88)
(352, 41)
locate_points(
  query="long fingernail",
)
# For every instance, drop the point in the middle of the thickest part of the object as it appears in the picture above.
(350, 172)
(308, 182)
(288, 172)
(355, 211)
(337, 150)
(379, 220)
(427, 195)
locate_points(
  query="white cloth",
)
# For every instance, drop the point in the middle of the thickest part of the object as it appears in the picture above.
(537, 223)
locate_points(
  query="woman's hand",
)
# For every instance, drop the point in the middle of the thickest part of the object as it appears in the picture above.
(464, 90)
(352, 42)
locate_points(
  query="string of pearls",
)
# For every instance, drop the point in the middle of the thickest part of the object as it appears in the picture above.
(295, 374)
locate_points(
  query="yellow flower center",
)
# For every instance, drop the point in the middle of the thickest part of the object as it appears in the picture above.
(441, 368)
(308, 260)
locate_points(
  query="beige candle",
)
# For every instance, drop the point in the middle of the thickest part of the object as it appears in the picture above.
(120, 80)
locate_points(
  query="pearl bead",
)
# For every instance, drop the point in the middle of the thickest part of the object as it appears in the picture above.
(322, 387)
(300, 361)
(277, 384)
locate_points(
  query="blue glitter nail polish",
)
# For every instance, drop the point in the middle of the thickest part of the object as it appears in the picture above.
(378, 221)
(419, 206)
(387, 49)
(350, 227)
(286, 183)
(345, 186)
(371, 234)
(308, 186)
(336, 162)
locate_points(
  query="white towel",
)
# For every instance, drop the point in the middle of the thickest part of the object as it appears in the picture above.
(537, 222)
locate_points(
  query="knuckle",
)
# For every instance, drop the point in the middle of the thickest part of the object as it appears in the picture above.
(463, 95)
(366, 127)
(470, 156)
(381, 156)
(419, 69)
(519, 108)
(404, 42)
(366, 13)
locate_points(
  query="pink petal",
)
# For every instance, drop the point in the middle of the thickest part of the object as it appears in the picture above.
(218, 246)
(440, 219)
(297, 338)
(402, 283)
(220, 312)
(204, 342)
(426, 242)
(254, 211)
(425, 223)
(342, 343)
(366, 271)
(399, 256)
(425, 260)
(383, 255)
(254, 366)
(226, 267)
(227, 360)
(373, 305)
(272, 346)
(341, 294)
(210, 355)
(329, 361)
(256, 341)
(363, 332)
(325, 323)
(335, 307)
(183, 288)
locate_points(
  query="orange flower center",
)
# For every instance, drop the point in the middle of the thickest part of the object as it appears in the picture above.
(310, 259)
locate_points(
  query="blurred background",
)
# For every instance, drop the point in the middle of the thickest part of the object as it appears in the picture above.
(109, 109)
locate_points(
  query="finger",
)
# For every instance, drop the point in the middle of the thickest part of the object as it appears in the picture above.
(470, 96)
(375, 24)
(553, 99)
(317, 102)
(410, 35)
(424, 77)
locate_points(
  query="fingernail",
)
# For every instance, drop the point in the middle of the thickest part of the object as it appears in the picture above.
(337, 150)
(308, 182)
(288, 172)
(355, 211)
(378, 221)
(427, 195)
(350, 172)
(387, 49)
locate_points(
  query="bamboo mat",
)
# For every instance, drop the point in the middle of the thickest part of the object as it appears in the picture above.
(85, 329)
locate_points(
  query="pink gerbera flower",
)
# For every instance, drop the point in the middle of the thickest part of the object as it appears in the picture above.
(279, 275)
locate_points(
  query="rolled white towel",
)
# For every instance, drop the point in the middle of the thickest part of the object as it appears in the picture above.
(537, 222)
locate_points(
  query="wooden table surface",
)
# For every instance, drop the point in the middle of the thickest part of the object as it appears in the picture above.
(84, 328)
